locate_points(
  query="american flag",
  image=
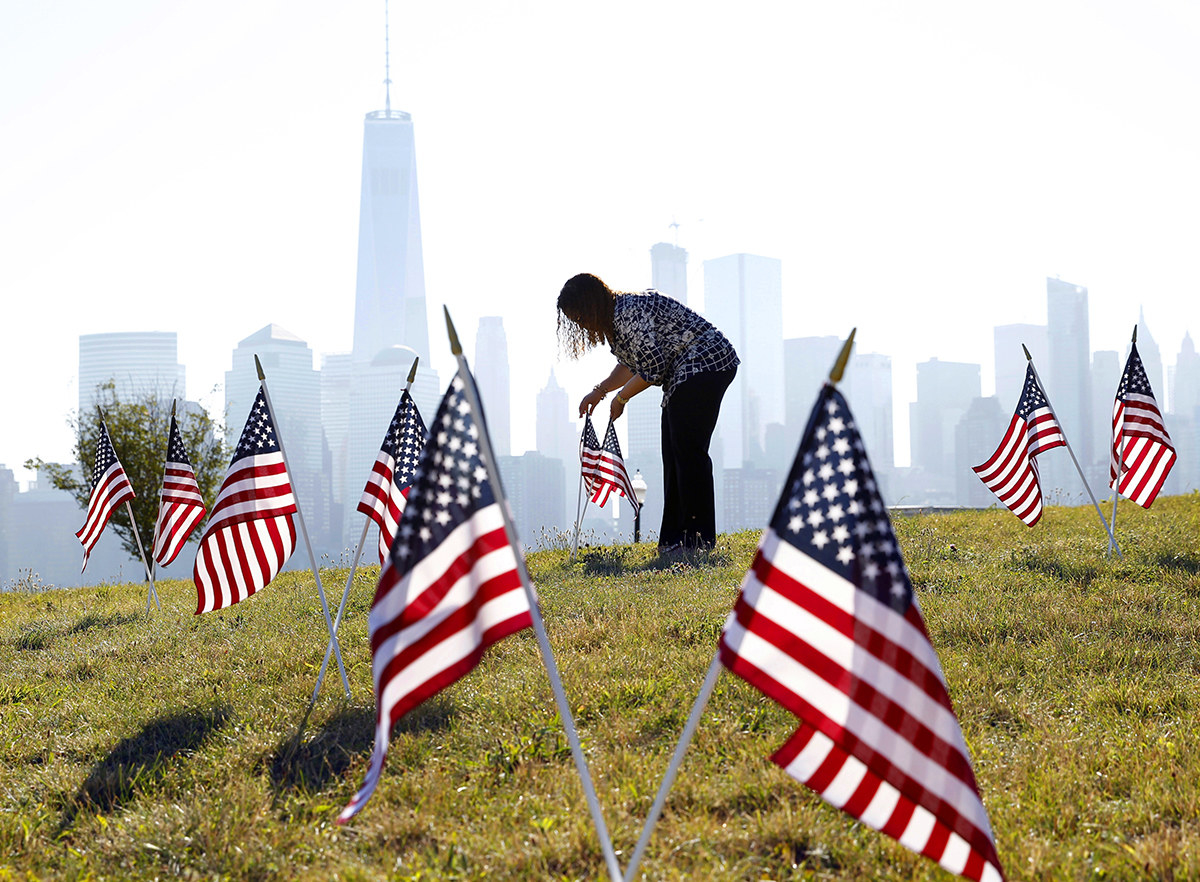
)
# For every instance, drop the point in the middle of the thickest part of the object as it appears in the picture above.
(1142, 452)
(250, 534)
(603, 468)
(110, 490)
(386, 493)
(827, 625)
(451, 585)
(1012, 473)
(181, 506)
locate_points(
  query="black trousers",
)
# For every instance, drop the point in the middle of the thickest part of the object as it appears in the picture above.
(688, 420)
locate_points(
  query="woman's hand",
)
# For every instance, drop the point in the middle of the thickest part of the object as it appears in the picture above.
(617, 407)
(590, 401)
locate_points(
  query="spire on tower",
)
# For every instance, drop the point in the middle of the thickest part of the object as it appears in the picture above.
(387, 62)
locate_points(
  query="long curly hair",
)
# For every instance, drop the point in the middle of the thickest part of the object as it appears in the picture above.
(585, 314)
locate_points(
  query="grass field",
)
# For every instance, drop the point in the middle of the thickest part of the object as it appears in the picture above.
(164, 746)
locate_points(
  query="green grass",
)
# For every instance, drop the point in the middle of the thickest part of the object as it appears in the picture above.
(165, 746)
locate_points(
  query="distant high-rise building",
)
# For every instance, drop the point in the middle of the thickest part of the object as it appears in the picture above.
(1151, 360)
(749, 497)
(336, 377)
(1011, 361)
(1106, 374)
(136, 362)
(668, 270)
(295, 391)
(743, 297)
(868, 388)
(643, 453)
(806, 365)
(945, 390)
(534, 486)
(491, 376)
(1067, 377)
(1185, 390)
(975, 438)
(555, 433)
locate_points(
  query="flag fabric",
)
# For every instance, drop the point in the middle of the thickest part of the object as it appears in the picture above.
(1012, 472)
(827, 624)
(386, 493)
(180, 507)
(451, 586)
(110, 490)
(603, 467)
(1142, 452)
(251, 533)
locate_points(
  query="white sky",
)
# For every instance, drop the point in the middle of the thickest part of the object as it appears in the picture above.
(919, 168)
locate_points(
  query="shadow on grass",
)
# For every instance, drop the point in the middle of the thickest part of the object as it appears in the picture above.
(142, 760)
(1075, 573)
(1182, 563)
(39, 635)
(308, 765)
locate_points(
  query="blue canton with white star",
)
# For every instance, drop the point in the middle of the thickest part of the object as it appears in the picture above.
(405, 438)
(175, 451)
(258, 437)
(1032, 396)
(449, 485)
(1134, 381)
(105, 456)
(831, 509)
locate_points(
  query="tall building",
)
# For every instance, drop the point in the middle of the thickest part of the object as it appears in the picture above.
(1068, 382)
(137, 363)
(975, 440)
(668, 270)
(534, 487)
(295, 390)
(1151, 361)
(945, 390)
(1185, 388)
(491, 376)
(1011, 361)
(868, 387)
(806, 365)
(743, 297)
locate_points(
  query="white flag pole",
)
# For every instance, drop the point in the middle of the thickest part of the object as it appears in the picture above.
(145, 563)
(1112, 540)
(1119, 453)
(685, 739)
(539, 628)
(580, 505)
(337, 620)
(303, 529)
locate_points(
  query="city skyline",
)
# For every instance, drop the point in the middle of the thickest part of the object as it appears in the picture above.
(919, 172)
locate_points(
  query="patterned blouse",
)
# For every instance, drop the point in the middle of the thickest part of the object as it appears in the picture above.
(664, 342)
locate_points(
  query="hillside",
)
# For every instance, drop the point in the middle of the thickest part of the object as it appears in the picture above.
(138, 746)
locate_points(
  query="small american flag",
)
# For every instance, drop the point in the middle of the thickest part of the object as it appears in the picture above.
(827, 625)
(450, 587)
(110, 490)
(386, 493)
(250, 534)
(1012, 473)
(181, 506)
(603, 467)
(1142, 452)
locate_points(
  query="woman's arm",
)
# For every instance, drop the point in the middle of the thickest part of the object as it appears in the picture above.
(619, 378)
(633, 386)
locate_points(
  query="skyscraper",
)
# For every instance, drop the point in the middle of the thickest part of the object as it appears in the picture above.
(137, 363)
(1068, 379)
(945, 390)
(491, 376)
(1011, 361)
(743, 297)
(668, 270)
(1151, 361)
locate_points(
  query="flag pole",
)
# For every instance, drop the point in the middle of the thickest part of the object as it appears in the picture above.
(337, 620)
(706, 690)
(161, 484)
(580, 505)
(1111, 538)
(1120, 457)
(136, 535)
(539, 628)
(262, 378)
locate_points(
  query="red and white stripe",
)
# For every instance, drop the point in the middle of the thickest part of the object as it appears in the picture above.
(250, 535)
(1142, 452)
(180, 509)
(111, 492)
(604, 473)
(383, 501)
(866, 685)
(1011, 472)
(431, 626)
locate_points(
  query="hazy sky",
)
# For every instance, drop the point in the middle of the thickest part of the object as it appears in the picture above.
(920, 168)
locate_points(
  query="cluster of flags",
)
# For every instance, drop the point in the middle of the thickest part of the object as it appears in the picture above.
(1141, 452)
(826, 622)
